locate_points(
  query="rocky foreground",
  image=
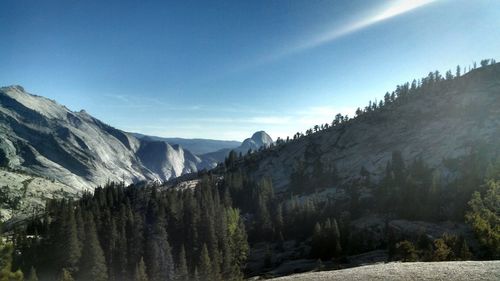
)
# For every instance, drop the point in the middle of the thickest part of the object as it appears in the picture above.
(463, 270)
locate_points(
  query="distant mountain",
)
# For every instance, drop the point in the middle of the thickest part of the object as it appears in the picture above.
(196, 146)
(42, 137)
(259, 139)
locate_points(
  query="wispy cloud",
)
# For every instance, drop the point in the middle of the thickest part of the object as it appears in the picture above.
(391, 9)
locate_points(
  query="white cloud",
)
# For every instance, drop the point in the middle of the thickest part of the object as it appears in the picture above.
(391, 9)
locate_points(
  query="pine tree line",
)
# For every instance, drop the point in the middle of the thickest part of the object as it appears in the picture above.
(131, 233)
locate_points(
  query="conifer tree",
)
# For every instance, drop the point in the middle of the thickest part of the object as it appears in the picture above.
(485, 219)
(33, 276)
(92, 264)
(196, 275)
(65, 275)
(70, 245)
(182, 272)
(337, 249)
(6, 273)
(205, 264)
(158, 254)
(140, 271)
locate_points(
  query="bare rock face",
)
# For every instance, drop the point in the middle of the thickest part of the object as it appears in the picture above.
(44, 138)
(259, 139)
(445, 123)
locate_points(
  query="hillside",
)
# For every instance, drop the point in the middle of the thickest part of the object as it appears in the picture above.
(458, 271)
(402, 173)
(434, 123)
(23, 195)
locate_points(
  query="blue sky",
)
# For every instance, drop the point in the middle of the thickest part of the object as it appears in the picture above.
(224, 69)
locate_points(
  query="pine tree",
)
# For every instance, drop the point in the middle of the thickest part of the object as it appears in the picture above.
(464, 253)
(33, 276)
(65, 275)
(92, 264)
(484, 218)
(205, 264)
(317, 241)
(182, 272)
(6, 273)
(140, 271)
(238, 245)
(196, 275)
(441, 251)
(406, 251)
(70, 245)
(337, 249)
(159, 260)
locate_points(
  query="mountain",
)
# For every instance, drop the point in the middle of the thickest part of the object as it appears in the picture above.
(42, 137)
(435, 122)
(403, 180)
(196, 146)
(258, 140)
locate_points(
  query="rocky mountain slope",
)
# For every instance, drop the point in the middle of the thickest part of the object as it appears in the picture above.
(434, 125)
(23, 194)
(44, 138)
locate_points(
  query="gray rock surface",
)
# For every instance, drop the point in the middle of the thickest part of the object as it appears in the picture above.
(259, 139)
(457, 271)
(42, 137)
(443, 124)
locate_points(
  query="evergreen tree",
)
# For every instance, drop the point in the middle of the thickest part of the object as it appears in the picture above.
(238, 243)
(485, 219)
(92, 264)
(33, 276)
(65, 275)
(205, 264)
(464, 253)
(335, 233)
(158, 254)
(441, 251)
(140, 271)
(406, 251)
(69, 243)
(182, 272)
(6, 273)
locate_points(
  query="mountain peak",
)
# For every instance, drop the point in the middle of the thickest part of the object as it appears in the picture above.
(45, 106)
(262, 138)
(259, 139)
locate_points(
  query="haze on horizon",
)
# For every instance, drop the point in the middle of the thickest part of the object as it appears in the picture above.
(226, 69)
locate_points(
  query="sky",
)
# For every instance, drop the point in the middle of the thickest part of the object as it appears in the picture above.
(225, 69)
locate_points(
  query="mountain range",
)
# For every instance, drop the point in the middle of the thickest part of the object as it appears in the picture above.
(42, 137)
